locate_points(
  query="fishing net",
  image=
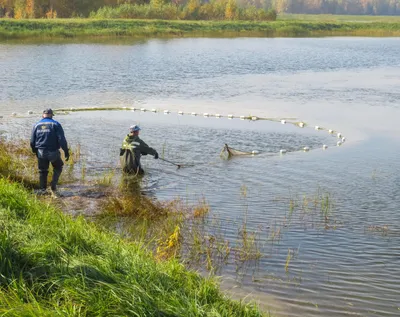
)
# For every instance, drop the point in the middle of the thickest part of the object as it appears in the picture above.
(228, 152)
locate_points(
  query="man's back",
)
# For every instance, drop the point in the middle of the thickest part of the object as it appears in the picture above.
(48, 134)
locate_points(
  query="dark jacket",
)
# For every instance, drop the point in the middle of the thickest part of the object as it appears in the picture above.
(48, 134)
(132, 149)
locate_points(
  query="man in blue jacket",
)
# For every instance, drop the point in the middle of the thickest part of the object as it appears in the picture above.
(46, 140)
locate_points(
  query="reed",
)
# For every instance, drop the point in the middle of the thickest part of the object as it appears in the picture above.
(121, 28)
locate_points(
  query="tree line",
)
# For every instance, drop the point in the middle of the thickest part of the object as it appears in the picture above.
(198, 9)
(354, 7)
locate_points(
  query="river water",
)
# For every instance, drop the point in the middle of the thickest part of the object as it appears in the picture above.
(346, 265)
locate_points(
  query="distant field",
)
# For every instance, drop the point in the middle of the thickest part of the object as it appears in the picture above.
(337, 18)
(286, 26)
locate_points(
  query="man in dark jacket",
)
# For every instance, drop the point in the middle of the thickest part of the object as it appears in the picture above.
(46, 140)
(132, 149)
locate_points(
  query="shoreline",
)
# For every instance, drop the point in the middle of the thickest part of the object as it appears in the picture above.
(125, 29)
(72, 251)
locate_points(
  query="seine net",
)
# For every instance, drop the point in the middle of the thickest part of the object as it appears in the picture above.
(227, 152)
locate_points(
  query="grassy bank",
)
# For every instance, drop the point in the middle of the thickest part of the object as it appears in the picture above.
(53, 265)
(84, 28)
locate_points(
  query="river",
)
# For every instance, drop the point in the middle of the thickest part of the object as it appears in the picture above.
(347, 265)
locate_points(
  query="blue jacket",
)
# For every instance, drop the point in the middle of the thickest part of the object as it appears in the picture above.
(48, 134)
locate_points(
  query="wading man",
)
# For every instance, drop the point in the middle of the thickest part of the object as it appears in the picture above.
(46, 140)
(132, 149)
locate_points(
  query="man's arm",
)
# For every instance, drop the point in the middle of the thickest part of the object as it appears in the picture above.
(62, 141)
(145, 149)
(33, 140)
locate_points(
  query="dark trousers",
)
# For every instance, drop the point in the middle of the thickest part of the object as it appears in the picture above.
(131, 163)
(46, 157)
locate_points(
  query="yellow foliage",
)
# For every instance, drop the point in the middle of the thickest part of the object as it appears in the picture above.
(193, 5)
(30, 8)
(51, 14)
(170, 247)
(18, 13)
(230, 9)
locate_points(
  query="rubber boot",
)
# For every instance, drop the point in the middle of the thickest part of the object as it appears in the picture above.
(43, 180)
(54, 181)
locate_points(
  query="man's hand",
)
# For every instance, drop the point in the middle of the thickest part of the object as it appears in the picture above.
(156, 155)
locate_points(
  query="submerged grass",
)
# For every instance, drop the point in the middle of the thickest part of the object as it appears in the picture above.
(86, 28)
(53, 265)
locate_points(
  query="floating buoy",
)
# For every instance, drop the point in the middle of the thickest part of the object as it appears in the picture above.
(339, 135)
(230, 116)
(254, 152)
(142, 109)
(343, 139)
(30, 112)
(153, 110)
(306, 149)
(14, 114)
(339, 143)
(282, 151)
(283, 121)
(133, 108)
(218, 115)
(205, 114)
(254, 118)
(166, 111)
(72, 109)
(241, 117)
(180, 113)
(194, 114)
(301, 124)
(330, 131)
(317, 127)
(324, 146)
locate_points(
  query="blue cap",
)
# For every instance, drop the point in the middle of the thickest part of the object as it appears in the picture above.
(134, 128)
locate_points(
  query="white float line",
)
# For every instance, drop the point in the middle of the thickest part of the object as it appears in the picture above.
(301, 124)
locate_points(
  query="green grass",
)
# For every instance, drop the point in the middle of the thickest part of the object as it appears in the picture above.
(339, 18)
(87, 28)
(53, 265)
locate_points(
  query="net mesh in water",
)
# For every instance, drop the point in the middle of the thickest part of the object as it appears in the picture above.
(227, 152)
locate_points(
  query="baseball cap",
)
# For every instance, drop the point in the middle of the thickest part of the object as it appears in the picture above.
(134, 128)
(48, 111)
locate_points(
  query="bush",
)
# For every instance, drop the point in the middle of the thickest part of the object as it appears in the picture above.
(193, 10)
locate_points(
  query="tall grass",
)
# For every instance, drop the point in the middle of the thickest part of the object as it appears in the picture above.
(87, 28)
(53, 265)
(19, 164)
